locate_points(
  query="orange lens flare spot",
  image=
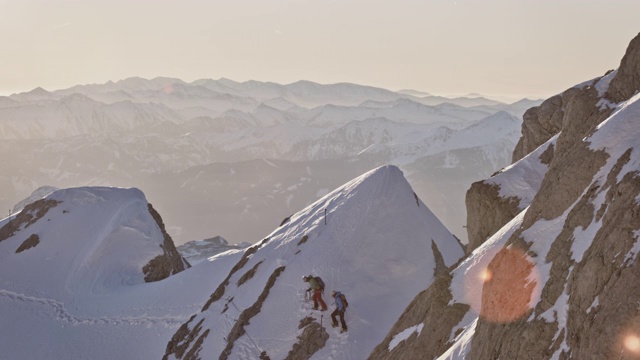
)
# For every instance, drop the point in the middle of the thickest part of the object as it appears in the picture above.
(485, 275)
(632, 343)
(509, 283)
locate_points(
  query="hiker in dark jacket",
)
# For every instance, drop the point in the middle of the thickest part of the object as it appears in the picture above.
(317, 292)
(341, 307)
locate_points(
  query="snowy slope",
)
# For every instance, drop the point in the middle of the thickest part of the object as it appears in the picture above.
(124, 238)
(80, 292)
(522, 179)
(377, 246)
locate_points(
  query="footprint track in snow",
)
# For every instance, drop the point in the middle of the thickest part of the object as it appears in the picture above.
(61, 314)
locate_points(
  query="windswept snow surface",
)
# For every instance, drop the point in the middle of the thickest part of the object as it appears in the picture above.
(376, 247)
(80, 293)
(404, 335)
(523, 178)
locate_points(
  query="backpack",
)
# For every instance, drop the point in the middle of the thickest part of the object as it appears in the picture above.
(344, 301)
(320, 282)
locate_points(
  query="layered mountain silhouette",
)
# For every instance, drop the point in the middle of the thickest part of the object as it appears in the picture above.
(185, 143)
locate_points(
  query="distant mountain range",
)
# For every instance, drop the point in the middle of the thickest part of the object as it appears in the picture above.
(174, 138)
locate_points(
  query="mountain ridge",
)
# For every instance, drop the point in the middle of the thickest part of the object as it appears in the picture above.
(556, 280)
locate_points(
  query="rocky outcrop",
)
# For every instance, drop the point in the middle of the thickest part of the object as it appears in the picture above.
(627, 80)
(31, 242)
(594, 280)
(542, 122)
(28, 216)
(312, 339)
(183, 340)
(238, 329)
(570, 188)
(249, 274)
(561, 283)
(170, 262)
(487, 212)
(38, 194)
(577, 111)
(539, 124)
(219, 292)
(494, 202)
(430, 306)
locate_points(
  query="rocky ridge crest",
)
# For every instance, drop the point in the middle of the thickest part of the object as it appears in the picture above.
(558, 280)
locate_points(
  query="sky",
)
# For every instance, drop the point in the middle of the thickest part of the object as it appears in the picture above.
(533, 48)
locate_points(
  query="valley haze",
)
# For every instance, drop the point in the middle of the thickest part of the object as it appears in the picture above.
(231, 159)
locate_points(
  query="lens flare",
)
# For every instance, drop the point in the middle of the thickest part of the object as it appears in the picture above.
(632, 343)
(503, 286)
(485, 275)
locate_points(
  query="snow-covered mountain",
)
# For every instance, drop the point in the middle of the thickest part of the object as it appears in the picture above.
(81, 271)
(197, 251)
(91, 273)
(158, 134)
(557, 276)
(371, 238)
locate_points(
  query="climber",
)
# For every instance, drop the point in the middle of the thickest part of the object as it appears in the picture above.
(317, 286)
(341, 307)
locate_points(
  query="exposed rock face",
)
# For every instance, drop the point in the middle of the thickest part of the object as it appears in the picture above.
(569, 186)
(539, 124)
(627, 80)
(238, 329)
(38, 194)
(597, 276)
(169, 263)
(29, 215)
(429, 307)
(487, 212)
(182, 340)
(562, 282)
(570, 115)
(312, 339)
(219, 292)
(490, 206)
(31, 241)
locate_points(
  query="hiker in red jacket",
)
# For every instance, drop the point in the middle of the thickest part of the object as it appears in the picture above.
(317, 289)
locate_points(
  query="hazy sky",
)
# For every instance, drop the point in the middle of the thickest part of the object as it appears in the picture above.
(495, 47)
